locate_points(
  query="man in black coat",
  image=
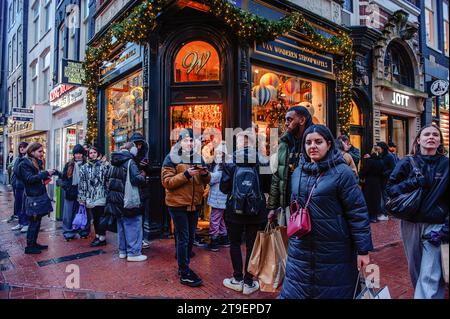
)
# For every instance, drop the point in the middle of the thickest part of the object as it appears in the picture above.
(142, 162)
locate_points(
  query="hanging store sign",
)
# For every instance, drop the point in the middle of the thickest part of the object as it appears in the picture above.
(72, 72)
(22, 115)
(439, 87)
(288, 52)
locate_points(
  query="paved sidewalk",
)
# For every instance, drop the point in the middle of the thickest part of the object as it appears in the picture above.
(104, 275)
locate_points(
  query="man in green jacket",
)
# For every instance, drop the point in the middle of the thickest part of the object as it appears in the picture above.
(298, 119)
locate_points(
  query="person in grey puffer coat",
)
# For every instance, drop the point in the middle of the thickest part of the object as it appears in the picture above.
(324, 263)
(218, 202)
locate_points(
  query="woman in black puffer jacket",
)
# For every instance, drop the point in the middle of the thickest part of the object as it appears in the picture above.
(324, 263)
(129, 220)
(424, 256)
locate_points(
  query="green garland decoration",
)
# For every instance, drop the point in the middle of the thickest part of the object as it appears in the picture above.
(248, 27)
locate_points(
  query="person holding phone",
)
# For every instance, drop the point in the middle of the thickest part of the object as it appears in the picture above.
(184, 181)
(32, 174)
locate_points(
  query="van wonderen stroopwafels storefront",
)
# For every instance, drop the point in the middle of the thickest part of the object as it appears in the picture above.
(162, 66)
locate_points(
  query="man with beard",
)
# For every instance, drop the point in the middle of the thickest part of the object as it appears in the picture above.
(298, 119)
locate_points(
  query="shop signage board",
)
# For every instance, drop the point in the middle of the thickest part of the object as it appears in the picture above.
(439, 87)
(67, 99)
(59, 90)
(122, 60)
(22, 114)
(72, 72)
(288, 52)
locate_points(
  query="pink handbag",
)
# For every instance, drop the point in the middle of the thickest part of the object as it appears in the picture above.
(299, 223)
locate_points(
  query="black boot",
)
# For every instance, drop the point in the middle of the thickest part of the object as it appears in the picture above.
(213, 244)
(41, 247)
(32, 250)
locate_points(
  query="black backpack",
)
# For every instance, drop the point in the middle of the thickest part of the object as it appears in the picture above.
(246, 196)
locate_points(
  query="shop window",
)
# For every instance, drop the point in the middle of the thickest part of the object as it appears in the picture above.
(446, 30)
(356, 129)
(431, 23)
(397, 65)
(125, 111)
(273, 93)
(204, 118)
(395, 129)
(197, 61)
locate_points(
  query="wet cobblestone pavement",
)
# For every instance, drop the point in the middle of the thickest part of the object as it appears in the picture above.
(104, 275)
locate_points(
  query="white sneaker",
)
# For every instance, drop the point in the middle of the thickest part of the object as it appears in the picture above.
(137, 258)
(233, 284)
(251, 289)
(122, 256)
(145, 244)
(383, 217)
(17, 227)
(24, 229)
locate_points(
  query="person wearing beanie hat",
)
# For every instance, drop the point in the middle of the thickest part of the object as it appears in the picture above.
(69, 183)
(19, 191)
(92, 193)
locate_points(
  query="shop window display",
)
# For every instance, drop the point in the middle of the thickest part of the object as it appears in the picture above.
(205, 118)
(273, 93)
(125, 111)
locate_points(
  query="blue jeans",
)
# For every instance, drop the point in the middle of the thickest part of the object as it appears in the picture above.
(19, 206)
(185, 224)
(424, 260)
(129, 235)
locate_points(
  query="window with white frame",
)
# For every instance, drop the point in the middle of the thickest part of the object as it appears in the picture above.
(10, 98)
(10, 64)
(430, 23)
(10, 15)
(14, 92)
(47, 16)
(19, 93)
(19, 45)
(34, 78)
(45, 89)
(85, 9)
(61, 46)
(446, 31)
(14, 52)
(35, 12)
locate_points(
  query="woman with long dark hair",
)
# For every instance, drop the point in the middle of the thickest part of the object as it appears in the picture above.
(31, 172)
(324, 263)
(424, 256)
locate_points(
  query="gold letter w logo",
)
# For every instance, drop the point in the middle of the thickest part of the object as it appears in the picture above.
(196, 61)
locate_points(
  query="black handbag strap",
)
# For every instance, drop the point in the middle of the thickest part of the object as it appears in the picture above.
(415, 168)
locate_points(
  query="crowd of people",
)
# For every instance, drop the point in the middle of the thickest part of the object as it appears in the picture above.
(343, 190)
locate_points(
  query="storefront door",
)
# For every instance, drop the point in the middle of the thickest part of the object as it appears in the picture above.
(395, 129)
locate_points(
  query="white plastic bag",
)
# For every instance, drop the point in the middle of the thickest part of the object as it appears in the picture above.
(131, 198)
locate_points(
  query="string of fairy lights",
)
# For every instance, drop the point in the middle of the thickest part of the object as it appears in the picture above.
(246, 26)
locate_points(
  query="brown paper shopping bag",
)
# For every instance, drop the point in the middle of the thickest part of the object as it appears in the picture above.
(272, 265)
